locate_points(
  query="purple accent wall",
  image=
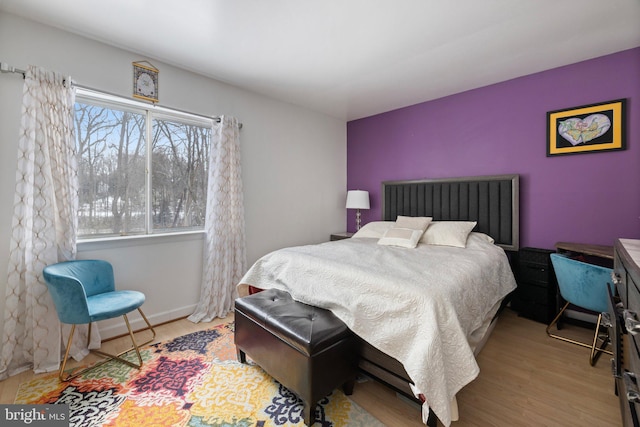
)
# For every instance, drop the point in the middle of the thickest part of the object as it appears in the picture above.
(501, 129)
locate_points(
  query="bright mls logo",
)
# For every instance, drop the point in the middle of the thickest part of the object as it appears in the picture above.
(34, 415)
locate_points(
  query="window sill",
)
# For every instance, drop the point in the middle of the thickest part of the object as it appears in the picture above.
(138, 240)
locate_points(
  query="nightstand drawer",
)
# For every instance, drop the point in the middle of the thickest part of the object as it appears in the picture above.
(534, 266)
(534, 273)
(534, 302)
(535, 256)
(534, 294)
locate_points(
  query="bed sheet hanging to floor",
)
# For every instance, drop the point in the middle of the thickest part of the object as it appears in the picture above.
(420, 306)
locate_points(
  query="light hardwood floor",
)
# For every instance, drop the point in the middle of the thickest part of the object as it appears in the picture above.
(526, 379)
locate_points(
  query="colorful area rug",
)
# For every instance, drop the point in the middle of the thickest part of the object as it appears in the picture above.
(193, 380)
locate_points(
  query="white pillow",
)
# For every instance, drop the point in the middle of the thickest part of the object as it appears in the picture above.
(374, 229)
(448, 233)
(406, 232)
(481, 236)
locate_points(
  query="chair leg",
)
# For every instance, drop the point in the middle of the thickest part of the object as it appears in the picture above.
(149, 327)
(595, 351)
(108, 357)
(73, 375)
(555, 321)
(134, 346)
(66, 357)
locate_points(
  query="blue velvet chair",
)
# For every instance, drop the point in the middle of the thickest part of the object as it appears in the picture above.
(583, 285)
(83, 291)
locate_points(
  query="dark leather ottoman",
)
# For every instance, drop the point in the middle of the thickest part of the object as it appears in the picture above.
(306, 349)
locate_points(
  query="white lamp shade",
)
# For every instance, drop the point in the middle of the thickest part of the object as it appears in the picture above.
(357, 199)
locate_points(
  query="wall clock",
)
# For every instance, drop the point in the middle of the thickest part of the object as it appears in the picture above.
(145, 81)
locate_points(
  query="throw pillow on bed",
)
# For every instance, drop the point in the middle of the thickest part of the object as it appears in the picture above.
(406, 232)
(448, 233)
(375, 229)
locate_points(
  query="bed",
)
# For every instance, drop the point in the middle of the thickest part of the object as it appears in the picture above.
(421, 312)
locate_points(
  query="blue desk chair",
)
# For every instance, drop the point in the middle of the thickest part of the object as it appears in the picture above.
(83, 291)
(583, 285)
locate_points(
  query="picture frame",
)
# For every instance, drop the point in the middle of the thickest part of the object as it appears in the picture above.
(587, 128)
(145, 81)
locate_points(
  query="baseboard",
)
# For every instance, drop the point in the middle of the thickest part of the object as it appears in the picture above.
(581, 316)
(116, 327)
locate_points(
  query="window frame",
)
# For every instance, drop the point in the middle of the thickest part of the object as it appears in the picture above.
(151, 112)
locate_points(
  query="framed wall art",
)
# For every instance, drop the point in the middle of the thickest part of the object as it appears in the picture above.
(145, 81)
(588, 128)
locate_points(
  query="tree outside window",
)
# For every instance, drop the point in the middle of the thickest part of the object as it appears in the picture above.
(115, 197)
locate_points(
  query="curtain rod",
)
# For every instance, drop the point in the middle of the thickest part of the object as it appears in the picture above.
(6, 68)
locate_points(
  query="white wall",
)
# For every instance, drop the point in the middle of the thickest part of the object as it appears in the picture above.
(294, 163)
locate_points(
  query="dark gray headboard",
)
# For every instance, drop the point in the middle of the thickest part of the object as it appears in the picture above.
(492, 201)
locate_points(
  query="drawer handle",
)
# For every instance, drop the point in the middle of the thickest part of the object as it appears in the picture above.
(630, 322)
(614, 368)
(606, 320)
(632, 387)
(615, 278)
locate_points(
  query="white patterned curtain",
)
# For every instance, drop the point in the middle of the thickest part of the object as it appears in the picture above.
(44, 222)
(224, 259)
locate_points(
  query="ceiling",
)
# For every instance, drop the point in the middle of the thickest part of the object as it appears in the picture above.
(352, 58)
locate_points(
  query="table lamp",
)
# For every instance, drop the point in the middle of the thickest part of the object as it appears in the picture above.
(357, 199)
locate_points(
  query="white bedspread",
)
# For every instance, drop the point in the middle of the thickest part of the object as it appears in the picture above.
(418, 305)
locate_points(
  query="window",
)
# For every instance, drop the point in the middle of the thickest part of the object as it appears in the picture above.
(129, 186)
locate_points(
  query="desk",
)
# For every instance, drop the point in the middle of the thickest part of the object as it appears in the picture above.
(594, 254)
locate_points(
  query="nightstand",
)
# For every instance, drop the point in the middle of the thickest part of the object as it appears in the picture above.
(535, 297)
(340, 236)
